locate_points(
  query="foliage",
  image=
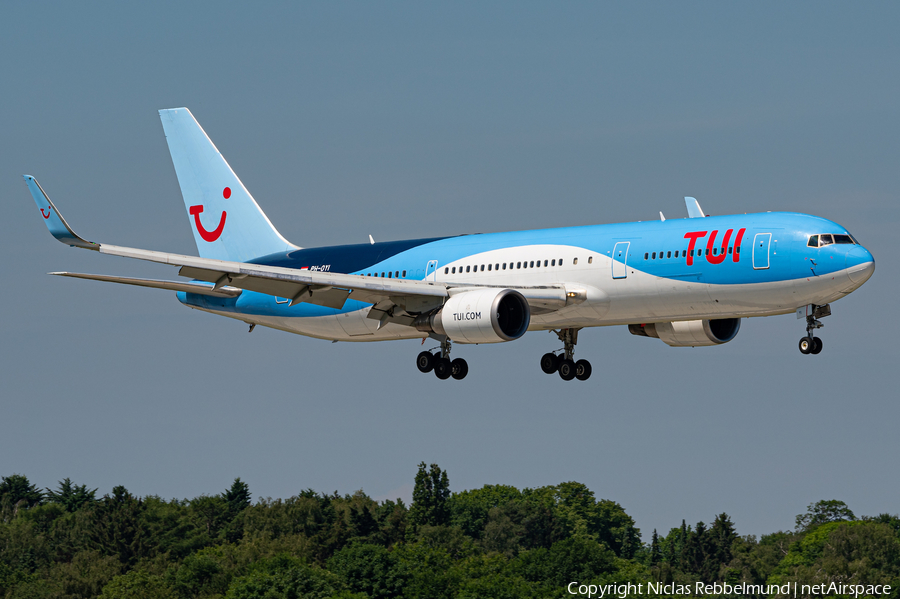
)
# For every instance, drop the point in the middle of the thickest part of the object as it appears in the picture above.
(495, 542)
(822, 512)
(430, 497)
(16, 492)
(71, 497)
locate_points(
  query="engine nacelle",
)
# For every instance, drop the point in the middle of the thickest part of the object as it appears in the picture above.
(690, 333)
(479, 316)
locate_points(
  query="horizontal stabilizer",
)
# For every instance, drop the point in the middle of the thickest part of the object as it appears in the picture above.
(57, 225)
(198, 288)
(693, 208)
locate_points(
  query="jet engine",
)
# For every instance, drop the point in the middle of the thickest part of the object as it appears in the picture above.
(479, 316)
(690, 333)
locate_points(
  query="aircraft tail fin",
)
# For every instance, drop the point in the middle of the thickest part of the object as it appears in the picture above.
(693, 207)
(226, 221)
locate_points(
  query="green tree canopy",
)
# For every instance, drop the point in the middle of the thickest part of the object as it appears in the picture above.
(431, 493)
(17, 492)
(821, 512)
(71, 496)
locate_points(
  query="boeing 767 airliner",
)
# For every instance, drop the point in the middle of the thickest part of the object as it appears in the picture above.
(687, 282)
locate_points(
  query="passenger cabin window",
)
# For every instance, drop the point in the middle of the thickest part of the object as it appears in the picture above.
(654, 255)
(518, 265)
(404, 274)
(453, 271)
(575, 261)
(389, 274)
(446, 271)
(646, 255)
(553, 263)
(489, 267)
(504, 266)
(669, 255)
(545, 263)
(590, 259)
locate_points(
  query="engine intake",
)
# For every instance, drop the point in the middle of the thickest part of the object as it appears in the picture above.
(479, 316)
(690, 333)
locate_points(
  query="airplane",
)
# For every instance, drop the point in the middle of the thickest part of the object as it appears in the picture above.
(688, 282)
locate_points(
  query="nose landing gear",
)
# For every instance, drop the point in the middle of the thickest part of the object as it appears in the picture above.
(565, 363)
(441, 365)
(812, 344)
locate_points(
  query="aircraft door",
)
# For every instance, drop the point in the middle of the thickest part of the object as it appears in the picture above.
(430, 270)
(761, 244)
(620, 260)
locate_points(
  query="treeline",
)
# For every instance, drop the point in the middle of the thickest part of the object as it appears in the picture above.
(494, 542)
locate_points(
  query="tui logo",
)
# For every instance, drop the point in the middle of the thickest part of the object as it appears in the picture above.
(196, 211)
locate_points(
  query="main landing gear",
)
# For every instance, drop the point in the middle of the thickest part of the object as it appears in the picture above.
(812, 344)
(441, 364)
(565, 363)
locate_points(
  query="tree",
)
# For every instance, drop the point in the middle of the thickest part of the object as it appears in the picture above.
(116, 528)
(16, 491)
(430, 498)
(70, 496)
(369, 569)
(237, 497)
(821, 512)
(655, 554)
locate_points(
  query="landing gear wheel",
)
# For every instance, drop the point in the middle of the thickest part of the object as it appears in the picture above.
(582, 370)
(425, 361)
(443, 368)
(806, 345)
(567, 370)
(549, 363)
(817, 347)
(459, 369)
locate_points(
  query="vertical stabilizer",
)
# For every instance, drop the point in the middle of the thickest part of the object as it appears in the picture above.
(227, 222)
(693, 208)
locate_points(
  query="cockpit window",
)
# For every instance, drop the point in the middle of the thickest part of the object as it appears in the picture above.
(827, 239)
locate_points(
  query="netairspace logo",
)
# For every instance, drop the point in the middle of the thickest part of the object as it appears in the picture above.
(623, 590)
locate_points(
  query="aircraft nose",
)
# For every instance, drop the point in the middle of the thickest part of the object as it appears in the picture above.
(860, 265)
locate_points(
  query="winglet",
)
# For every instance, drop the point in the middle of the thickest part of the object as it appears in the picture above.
(57, 225)
(693, 208)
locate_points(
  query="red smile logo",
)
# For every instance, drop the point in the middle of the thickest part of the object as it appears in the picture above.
(48, 212)
(196, 211)
(207, 235)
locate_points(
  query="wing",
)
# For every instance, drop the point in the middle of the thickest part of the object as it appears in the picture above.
(322, 288)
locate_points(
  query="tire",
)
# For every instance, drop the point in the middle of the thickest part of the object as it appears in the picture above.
(459, 368)
(549, 363)
(566, 370)
(817, 345)
(806, 345)
(442, 368)
(425, 361)
(582, 370)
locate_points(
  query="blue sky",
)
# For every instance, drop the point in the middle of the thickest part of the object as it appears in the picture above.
(414, 120)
